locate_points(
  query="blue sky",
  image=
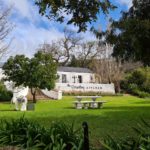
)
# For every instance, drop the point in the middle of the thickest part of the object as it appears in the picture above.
(31, 29)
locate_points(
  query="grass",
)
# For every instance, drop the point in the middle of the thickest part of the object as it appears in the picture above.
(116, 118)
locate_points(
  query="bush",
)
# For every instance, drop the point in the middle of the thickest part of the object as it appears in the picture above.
(30, 135)
(89, 94)
(138, 82)
(5, 95)
(141, 142)
(140, 94)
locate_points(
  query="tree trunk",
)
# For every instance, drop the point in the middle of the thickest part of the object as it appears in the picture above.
(117, 87)
(33, 92)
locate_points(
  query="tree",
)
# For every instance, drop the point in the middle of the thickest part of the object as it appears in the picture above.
(5, 28)
(81, 12)
(131, 34)
(62, 49)
(88, 51)
(38, 72)
(109, 69)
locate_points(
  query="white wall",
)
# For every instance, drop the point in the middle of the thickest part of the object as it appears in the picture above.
(86, 77)
(53, 94)
(85, 87)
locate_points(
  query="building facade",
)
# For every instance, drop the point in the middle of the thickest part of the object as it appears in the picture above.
(75, 75)
(74, 79)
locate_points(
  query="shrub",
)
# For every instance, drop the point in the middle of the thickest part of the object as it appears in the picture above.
(138, 82)
(141, 94)
(5, 95)
(132, 87)
(141, 142)
(30, 135)
(137, 77)
(89, 94)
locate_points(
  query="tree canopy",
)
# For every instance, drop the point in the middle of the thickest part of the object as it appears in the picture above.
(131, 34)
(77, 12)
(37, 72)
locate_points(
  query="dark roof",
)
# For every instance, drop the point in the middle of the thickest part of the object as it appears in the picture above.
(74, 69)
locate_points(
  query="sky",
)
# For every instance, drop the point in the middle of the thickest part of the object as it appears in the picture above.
(31, 29)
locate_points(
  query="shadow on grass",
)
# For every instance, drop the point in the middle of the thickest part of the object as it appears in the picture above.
(9, 110)
(121, 108)
(143, 102)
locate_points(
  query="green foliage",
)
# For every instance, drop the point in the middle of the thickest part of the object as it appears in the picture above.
(131, 34)
(138, 82)
(37, 72)
(82, 12)
(116, 118)
(41, 71)
(139, 93)
(30, 135)
(89, 94)
(5, 95)
(141, 142)
(15, 69)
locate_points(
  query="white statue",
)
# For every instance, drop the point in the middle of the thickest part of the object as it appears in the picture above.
(19, 98)
(20, 103)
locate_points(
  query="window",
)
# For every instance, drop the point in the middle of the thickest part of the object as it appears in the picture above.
(91, 78)
(80, 79)
(64, 78)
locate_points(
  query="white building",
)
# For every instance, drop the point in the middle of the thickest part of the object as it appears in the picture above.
(75, 75)
(74, 79)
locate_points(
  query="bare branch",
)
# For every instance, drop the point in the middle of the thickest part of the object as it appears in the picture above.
(5, 29)
(62, 49)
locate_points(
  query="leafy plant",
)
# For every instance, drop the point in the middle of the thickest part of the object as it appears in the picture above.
(5, 95)
(138, 82)
(141, 142)
(38, 72)
(89, 94)
(30, 135)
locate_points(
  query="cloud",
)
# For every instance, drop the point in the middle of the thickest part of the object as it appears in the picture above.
(21, 6)
(127, 3)
(31, 29)
(27, 41)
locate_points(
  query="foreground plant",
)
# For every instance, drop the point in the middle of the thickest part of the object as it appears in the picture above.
(28, 135)
(141, 142)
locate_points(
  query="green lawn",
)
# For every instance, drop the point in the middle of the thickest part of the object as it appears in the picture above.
(116, 118)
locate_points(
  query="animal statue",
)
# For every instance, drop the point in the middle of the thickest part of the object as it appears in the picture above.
(19, 98)
(20, 103)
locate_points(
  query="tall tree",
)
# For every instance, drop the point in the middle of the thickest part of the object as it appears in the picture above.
(109, 69)
(131, 34)
(62, 49)
(38, 72)
(87, 51)
(5, 28)
(81, 12)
